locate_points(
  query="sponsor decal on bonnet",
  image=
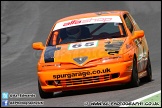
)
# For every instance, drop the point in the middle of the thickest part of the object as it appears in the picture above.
(113, 47)
(49, 53)
(80, 45)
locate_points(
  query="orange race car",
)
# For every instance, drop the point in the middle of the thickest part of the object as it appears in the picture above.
(93, 50)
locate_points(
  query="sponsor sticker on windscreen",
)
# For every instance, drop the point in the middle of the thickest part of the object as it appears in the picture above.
(80, 45)
(91, 20)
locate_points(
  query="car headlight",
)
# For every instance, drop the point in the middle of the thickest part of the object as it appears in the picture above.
(119, 58)
(48, 66)
(111, 59)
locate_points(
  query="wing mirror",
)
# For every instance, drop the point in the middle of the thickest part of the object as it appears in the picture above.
(38, 46)
(138, 34)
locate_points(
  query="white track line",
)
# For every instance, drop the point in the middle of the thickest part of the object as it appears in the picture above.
(143, 98)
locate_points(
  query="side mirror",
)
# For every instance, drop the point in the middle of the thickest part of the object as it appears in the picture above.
(138, 34)
(38, 46)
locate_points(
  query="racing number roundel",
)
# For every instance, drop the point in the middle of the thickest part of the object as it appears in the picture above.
(83, 45)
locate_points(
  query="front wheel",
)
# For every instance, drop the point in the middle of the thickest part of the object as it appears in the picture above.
(135, 81)
(44, 94)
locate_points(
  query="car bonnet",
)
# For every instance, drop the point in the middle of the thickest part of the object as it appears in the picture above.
(83, 52)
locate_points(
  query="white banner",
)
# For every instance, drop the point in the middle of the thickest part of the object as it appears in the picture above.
(83, 21)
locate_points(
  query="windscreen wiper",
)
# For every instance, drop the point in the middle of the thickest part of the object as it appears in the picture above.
(85, 39)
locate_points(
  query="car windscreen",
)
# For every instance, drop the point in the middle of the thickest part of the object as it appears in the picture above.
(86, 32)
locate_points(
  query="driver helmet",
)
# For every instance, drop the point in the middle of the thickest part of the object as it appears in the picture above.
(73, 32)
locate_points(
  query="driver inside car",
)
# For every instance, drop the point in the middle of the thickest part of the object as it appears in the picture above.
(75, 33)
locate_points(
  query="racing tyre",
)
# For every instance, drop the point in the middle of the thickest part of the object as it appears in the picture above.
(44, 94)
(135, 81)
(148, 78)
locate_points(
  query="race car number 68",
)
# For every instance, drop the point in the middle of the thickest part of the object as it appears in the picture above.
(83, 45)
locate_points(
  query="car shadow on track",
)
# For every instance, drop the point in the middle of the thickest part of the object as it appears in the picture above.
(96, 90)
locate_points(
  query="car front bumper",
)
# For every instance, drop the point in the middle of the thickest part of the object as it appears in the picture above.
(92, 77)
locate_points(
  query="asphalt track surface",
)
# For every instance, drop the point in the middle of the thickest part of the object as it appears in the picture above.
(25, 22)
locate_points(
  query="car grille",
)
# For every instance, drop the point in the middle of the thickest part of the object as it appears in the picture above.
(86, 80)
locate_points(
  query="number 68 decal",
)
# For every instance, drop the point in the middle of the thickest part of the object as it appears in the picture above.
(83, 45)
